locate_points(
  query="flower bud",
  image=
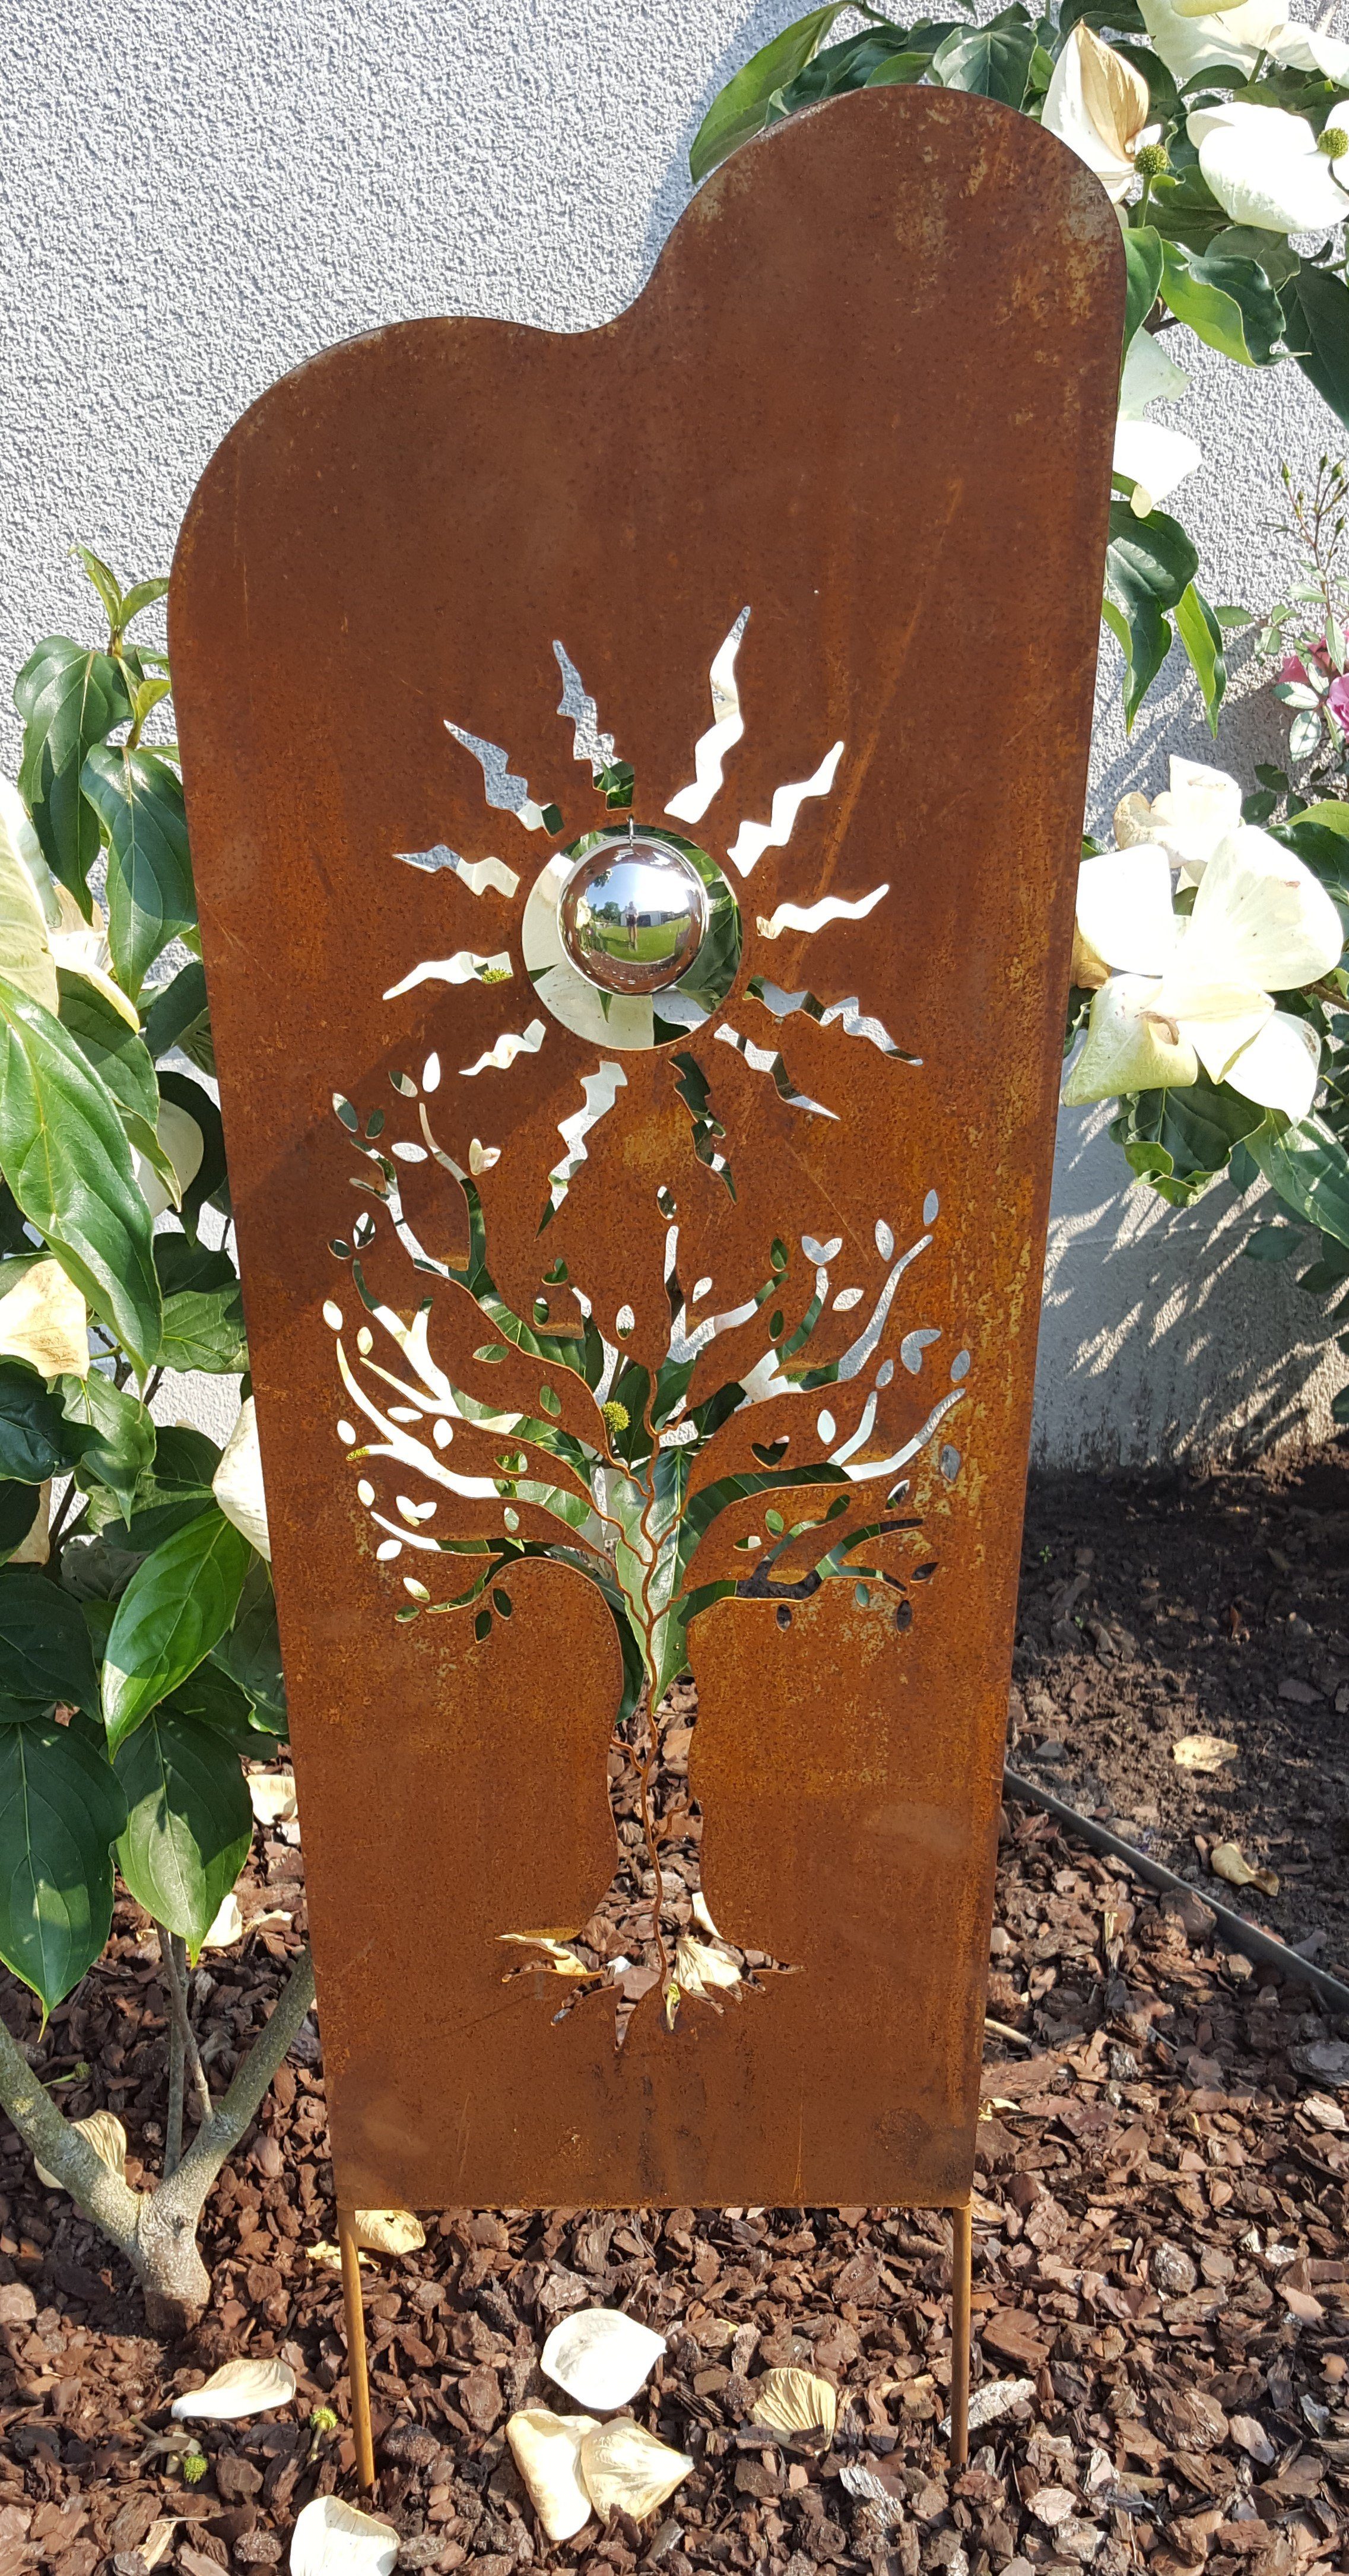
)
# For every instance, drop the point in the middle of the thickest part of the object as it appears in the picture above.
(1151, 159)
(1334, 142)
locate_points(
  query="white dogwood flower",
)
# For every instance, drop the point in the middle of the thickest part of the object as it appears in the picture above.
(1179, 994)
(1155, 457)
(1267, 168)
(1191, 40)
(1098, 105)
(1190, 819)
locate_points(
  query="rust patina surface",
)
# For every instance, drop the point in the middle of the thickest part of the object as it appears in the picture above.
(868, 392)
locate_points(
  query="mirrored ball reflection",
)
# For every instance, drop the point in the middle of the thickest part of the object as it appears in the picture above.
(633, 915)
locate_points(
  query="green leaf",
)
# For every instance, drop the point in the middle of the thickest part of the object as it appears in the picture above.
(111, 1435)
(70, 698)
(43, 1641)
(19, 1507)
(211, 1184)
(65, 1155)
(142, 594)
(874, 58)
(1307, 1167)
(139, 801)
(181, 1265)
(174, 1610)
(211, 1698)
(1179, 1140)
(1202, 637)
(110, 1045)
(175, 1008)
(1316, 306)
(204, 1329)
(992, 61)
(744, 107)
(178, 1489)
(251, 1655)
(32, 1426)
(189, 1822)
(1270, 251)
(1226, 301)
(61, 1810)
(105, 583)
(1149, 565)
(1143, 264)
(1183, 208)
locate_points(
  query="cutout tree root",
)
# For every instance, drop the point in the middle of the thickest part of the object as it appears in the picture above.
(156, 2230)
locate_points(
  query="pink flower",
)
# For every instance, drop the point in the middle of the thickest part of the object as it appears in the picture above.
(1337, 699)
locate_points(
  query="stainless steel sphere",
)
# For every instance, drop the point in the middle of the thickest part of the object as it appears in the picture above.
(633, 915)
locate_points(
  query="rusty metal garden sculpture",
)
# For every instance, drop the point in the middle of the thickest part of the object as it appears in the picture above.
(754, 1394)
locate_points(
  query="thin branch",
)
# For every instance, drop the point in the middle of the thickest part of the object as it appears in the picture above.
(220, 2134)
(98, 2193)
(175, 1988)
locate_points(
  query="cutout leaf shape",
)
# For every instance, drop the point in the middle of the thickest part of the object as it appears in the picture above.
(547, 2452)
(239, 2388)
(601, 2357)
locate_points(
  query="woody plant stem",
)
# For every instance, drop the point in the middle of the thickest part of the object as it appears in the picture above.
(156, 2230)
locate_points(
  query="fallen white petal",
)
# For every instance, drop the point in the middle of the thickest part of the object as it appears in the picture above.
(624, 2466)
(44, 1320)
(238, 2388)
(106, 2136)
(704, 1966)
(237, 1482)
(332, 2539)
(997, 2397)
(388, 2231)
(795, 2401)
(228, 1926)
(547, 2452)
(601, 2357)
(271, 1795)
(1279, 1066)
(1124, 909)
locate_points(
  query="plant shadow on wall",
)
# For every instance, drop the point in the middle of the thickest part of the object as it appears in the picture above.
(631, 935)
(1194, 1368)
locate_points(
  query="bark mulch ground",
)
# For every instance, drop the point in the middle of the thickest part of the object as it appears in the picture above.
(1161, 2283)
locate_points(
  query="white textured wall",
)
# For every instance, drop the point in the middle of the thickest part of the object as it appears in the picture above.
(194, 197)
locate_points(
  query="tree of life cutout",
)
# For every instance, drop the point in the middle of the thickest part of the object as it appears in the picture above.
(635, 1510)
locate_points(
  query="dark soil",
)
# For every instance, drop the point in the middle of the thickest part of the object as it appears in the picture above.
(1155, 1611)
(1159, 2221)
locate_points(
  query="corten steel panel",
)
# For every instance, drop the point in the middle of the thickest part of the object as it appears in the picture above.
(869, 391)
